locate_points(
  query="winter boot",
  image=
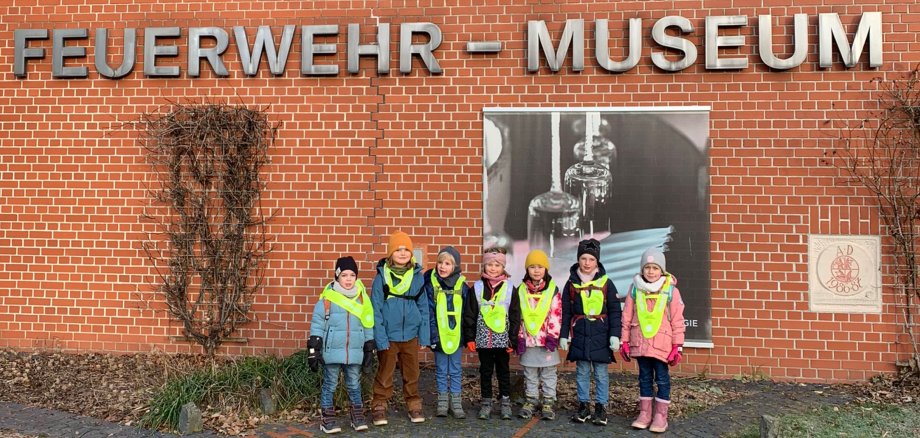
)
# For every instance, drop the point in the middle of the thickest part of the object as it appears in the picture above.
(456, 406)
(379, 414)
(442, 404)
(547, 413)
(660, 419)
(527, 410)
(327, 421)
(583, 414)
(485, 409)
(645, 413)
(600, 415)
(506, 408)
(358, 420)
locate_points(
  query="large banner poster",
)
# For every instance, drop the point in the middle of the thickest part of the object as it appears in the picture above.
(632, 178)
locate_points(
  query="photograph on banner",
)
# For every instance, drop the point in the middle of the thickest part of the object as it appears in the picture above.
(632, 178)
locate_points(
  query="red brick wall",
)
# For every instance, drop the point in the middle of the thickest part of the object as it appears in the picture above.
(359, 156)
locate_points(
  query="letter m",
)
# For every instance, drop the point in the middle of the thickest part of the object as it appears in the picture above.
(538, 37)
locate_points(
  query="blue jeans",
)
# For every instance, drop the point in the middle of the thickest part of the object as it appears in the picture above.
(583, 371)
(653, 369)
(447, 367)
(331, 381)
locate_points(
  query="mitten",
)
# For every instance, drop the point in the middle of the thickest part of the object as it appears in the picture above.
(614, 343)
(367, 364)
(434, 347)
(564, 344)
(675, 356)
(551, 343)
(521, 346)
(314, 352)
(471, 346)
(624, 351)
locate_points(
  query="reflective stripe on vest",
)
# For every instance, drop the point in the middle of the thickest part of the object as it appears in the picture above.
(535, 316)
(650, 321)
(592, 296)
(449, 337)
(363, 310)
(405, 281)
(495, 311)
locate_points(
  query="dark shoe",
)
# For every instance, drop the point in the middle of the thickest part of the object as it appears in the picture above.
(327, 421)
(358, 420)
(416, 416)
(600, 415)
(583, 414)
(547, 413)
(379, 415)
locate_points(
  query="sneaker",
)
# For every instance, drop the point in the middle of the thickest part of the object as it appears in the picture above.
(416, 416)
(583, 414)
(506, 408)
(358, 420)
(327, 421)
(547, 413)
(379, 415)
(485, 410)
(527, 410)
(600, 415)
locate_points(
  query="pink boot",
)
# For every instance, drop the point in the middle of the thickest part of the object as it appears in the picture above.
(645, 413)
(660, 420)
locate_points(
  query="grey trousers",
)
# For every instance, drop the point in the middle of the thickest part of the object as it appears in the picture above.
(532, 378)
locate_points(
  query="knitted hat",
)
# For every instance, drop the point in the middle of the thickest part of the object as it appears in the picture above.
(590, 246)
(536, 257)
(652, 256)
(492, 256)
(346, 263)
(398, 240)
(451, 251)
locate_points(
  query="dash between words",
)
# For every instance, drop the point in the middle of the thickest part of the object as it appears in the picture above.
(67, 53)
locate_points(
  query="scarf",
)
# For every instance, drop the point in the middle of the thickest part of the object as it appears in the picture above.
(655, 287)
(350, 293)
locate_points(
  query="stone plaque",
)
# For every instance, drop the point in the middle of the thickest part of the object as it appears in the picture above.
(844, 274)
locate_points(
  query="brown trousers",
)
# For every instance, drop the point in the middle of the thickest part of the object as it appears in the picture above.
(406, 353)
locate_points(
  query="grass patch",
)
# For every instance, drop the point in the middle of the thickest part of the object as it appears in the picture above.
(861, 420)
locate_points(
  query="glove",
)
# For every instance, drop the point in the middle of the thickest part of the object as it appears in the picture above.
(433, 347)
(624, 351)
(521, 346)
(314, 352)
(509, 350)
(564, 344)
(367, 364)
(614, 343)
(675, 356)
(471, 346)
(551, 343)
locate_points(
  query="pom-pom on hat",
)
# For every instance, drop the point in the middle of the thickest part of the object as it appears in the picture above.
(536, 257)
(653, 256)
(398, 240)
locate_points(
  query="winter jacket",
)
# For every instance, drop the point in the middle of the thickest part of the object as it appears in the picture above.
(403, 318)
(552, 325)
(589, 340)
(670, 332)
(343, 335)
(432, 306)
(475, 328)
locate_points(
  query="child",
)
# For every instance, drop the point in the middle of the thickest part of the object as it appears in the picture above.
(490, 326)
(447, 292)
(541, 311)
(654, 342)
(344, 319)
(590, 329)
(401, 327)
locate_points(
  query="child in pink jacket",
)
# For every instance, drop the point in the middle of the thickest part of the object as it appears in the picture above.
(653, 333)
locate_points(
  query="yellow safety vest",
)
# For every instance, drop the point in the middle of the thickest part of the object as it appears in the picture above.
(650, 321)
(495, 311)
(448, 337)
(405, 281)
(535, 316)
(363, 310)
(592, 296)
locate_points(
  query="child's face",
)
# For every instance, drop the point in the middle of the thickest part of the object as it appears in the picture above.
(347, 279)
(651, 272)
(536, 272)
(402, 256)
(445, 267)
(494, 269)
(587, 263)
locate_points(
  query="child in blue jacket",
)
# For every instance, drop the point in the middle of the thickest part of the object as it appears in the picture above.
(342, 337)
(447, 291)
